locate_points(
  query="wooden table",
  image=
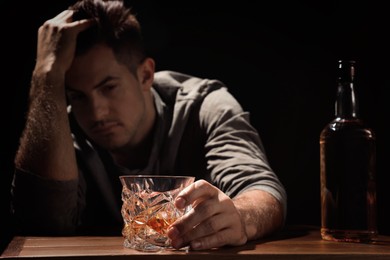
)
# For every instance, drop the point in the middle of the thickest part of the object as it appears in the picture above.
(292, 243)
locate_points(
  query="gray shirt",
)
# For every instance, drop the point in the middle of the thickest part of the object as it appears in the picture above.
(201, 130)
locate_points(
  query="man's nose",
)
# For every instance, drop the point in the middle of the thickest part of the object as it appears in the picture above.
(98, 108)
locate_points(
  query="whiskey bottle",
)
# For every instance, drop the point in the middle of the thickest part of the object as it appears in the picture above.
(347, 168)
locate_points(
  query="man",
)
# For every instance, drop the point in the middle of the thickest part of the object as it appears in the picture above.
(99, 110)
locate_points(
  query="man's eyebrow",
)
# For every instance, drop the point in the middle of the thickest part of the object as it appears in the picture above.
(101, 83)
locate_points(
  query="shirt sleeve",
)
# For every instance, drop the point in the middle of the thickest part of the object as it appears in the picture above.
(235, 154)
(44, 207)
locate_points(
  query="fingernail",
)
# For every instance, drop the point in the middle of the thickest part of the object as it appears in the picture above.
(180, 202)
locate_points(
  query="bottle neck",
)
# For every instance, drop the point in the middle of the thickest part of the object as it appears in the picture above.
(346, 105)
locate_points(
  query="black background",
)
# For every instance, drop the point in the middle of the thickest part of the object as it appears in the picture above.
(278, 58)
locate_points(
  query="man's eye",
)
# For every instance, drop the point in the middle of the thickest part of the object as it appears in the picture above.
(109, 87)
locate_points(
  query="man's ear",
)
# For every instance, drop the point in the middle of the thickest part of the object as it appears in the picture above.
(146, 73)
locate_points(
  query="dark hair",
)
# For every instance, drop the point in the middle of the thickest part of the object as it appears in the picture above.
(115, 25)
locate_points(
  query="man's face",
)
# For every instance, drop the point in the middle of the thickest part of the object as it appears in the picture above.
(107, 100)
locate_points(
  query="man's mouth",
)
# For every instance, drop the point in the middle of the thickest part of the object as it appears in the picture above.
(104, 128)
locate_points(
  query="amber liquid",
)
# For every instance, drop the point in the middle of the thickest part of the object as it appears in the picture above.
(348, 189)
(151, 229)
(158, 224)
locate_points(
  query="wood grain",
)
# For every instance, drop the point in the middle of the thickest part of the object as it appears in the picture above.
(292, 243)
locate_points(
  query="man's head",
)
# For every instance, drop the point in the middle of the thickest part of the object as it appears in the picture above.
(115, 25)
(110, 79)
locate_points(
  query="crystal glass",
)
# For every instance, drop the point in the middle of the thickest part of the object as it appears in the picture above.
(148, 209)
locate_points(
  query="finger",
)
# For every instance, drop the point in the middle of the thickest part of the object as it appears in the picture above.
(81, 25)
(195, 191)
(63, 16)
(222, 238)
(206, 218)
(196, 215)
(209, 226)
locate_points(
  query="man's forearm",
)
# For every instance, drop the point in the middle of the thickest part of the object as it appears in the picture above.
(46, 146)
(261, 213)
